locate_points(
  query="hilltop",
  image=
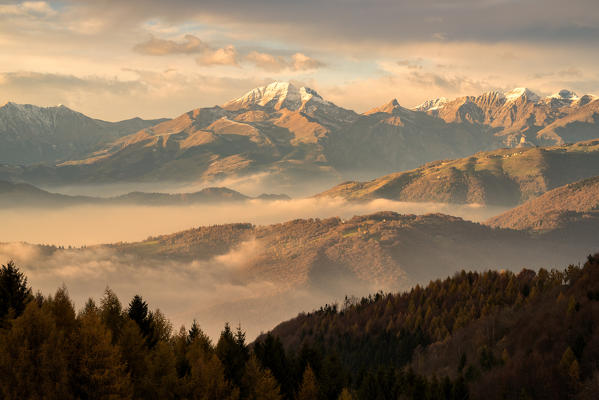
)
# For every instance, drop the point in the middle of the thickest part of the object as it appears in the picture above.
(499, 177)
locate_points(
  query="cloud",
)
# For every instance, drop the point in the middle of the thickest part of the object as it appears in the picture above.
(270, 62)
(35, 9)
(301, 62)
(380, 21)
(160, 47)
(207, 55)
(224, 56)
(267, 61)
(143, 93)
(410, 64)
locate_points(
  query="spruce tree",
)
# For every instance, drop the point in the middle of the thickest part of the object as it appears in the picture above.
(14, 291)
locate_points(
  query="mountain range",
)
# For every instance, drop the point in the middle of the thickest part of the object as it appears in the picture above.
(31, 134)
(292, 133)
(19, 195)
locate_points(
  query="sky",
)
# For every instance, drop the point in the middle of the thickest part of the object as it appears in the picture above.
(114, 59)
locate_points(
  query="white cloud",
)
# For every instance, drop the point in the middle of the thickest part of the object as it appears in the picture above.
(270, 62)
(224, 56)
(27, 9)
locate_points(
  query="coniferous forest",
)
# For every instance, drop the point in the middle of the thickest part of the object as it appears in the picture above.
(492, 335)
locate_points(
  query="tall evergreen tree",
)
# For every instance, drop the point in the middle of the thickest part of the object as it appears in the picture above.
(14, 291)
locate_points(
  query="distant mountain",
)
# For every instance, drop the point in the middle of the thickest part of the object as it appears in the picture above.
(17, 195)
(501, 177)
(390, 138)
(571, 209)
(277, 128)
(31, 134)
(289, 134)
(521, 117)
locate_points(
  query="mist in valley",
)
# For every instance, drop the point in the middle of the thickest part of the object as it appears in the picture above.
(212, 291)
(95, 224)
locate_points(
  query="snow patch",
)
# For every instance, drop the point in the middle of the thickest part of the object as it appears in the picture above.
(519, 93)
(431, 105)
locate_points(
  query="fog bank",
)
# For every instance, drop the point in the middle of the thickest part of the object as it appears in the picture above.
(94, 224)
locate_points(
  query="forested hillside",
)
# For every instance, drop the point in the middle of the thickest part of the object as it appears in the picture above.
(474, 335)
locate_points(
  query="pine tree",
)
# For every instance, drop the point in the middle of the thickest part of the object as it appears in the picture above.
(14, 291)
(233, 353)
(138, 312)
(260, 383)
(100, 372)
(309, 388)
(111, 313)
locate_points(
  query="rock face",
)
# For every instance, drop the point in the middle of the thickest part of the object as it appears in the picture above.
(292, 134)
(504, 177)
(30, 134)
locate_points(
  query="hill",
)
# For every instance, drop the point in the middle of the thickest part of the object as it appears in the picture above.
(385, 249)
(557, 210)
(31, 134)
(500, 177)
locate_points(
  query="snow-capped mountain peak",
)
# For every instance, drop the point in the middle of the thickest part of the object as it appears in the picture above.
(431, 105)
(521, 92)
(276, 95)
(564, 94)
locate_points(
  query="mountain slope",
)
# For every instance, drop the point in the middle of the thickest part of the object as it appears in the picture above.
(390, 138)
(30, 134)
(500, 177)
(558, 209)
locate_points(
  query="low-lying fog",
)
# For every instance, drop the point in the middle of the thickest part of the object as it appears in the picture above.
(94, 224)
(208, 291)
